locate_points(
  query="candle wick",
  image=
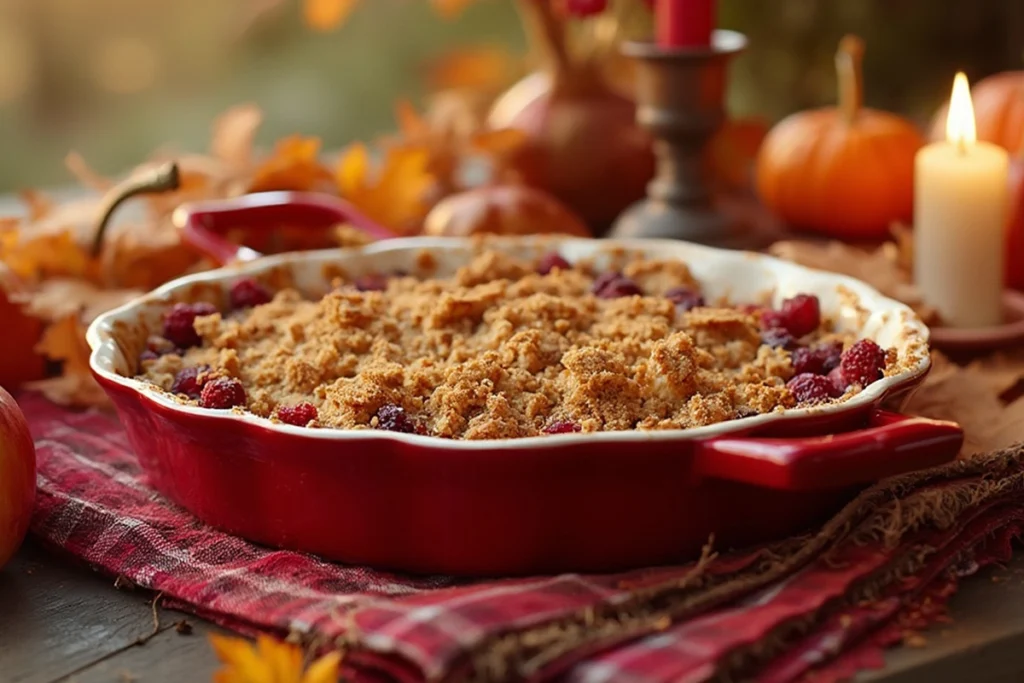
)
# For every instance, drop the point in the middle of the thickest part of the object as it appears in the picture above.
(961, 145)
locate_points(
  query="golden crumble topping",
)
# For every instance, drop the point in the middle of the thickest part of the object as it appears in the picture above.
(497, 350)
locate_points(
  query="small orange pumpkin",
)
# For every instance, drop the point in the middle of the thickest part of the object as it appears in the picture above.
(845, 171)
(998, 111)
(503, 210)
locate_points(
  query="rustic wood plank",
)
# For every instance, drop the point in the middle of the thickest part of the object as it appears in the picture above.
(170, 657)
(56, 618)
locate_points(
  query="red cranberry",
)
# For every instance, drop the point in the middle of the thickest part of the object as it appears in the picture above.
(777, 337)
(371, 282)
(838, 380)
(562, 427)
(552, 261)
(248, 293)
(178, 328)
(615, 285)
(148, 355)
(299, 415)
(222, 393)
(187, 381)
(684, 298)
(770, 319)
(863, 362)
(819, 359)
(393, 418)
(801, 314)
(808, 388)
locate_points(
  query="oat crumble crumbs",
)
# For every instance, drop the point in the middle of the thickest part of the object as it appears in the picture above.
(498, 351)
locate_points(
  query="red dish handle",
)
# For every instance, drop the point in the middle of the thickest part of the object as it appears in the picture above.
(890, 444)
(203, 224)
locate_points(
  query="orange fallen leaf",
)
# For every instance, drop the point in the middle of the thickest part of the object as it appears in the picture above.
(485, 68)
(64, 342)
(294, 165)
(76, 164)
(234, 133)
(326, 15)
(270, 661)
(967, 396)
(396, 192)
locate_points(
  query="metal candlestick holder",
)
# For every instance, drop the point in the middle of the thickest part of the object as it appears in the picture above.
(680, 101)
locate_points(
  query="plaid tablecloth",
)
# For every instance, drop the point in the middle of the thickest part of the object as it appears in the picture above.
(820, 606)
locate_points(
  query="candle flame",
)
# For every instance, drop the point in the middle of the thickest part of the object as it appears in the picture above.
(960, 128)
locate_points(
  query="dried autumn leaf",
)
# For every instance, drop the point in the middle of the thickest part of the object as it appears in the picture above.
(64, 342)
(38, 204)
(60, 298)
(234, 134)
(499, 143)
(396, 192)
(486, 68)
(294, 165)
(44, 255)
(326, 15)
(76, 164)
(270, 661)
(952, 392)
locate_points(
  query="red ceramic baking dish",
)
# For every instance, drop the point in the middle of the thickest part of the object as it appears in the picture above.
(573, 502)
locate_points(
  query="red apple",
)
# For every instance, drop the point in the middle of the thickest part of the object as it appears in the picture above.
(1015, 230)
(17, 476)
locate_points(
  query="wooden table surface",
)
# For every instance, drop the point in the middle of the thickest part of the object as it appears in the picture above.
(62, 622)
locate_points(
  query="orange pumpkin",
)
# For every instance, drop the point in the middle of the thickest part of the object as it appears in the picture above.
(998, 111)
(502, 210)
(845, 171)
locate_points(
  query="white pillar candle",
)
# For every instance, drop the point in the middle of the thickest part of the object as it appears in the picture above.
(961, 199)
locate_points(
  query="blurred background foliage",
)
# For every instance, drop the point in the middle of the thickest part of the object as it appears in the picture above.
(115, 79)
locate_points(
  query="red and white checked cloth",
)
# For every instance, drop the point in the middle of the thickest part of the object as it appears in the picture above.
(95, 504)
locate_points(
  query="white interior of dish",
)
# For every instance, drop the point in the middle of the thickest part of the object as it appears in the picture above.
(738, 276)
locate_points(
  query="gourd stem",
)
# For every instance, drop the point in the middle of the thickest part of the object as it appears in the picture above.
(850, 77)
(547, 33)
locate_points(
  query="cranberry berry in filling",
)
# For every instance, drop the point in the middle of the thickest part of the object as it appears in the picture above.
(819, 359)
(562, 427)
(552, 261)
(299, 415)
(614, 285)
(393, 418)
(809, 388)
(684, 298)
(178, 328)
(187, 381)
(248, 293)
(862, 363)
(222, 393)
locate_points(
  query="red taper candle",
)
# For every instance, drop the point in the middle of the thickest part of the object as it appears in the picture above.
(684, 23)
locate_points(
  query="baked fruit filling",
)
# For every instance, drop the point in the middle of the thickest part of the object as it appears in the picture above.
(507, 348)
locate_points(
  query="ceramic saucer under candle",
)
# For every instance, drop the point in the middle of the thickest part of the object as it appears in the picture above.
(1007, 335)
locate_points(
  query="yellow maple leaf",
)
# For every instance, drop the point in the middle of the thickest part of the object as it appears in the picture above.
(485, 68)
(269, 661)
(326, 15)
(396, 192)
(294, 165)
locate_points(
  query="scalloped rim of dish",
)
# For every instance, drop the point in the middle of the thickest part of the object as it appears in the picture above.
(104, 349)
